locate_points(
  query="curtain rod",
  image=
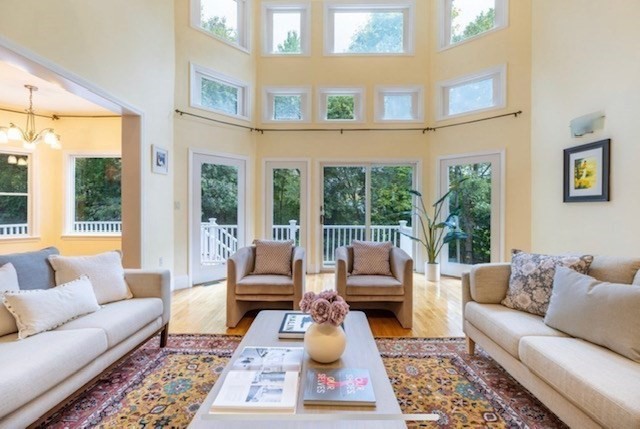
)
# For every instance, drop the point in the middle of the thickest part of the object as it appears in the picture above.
(343, 130)
(56, 117)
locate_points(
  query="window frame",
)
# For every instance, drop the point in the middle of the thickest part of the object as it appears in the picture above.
(244, 24)
(32, 225)
(498, 73)
(407, 7)
(268, 8)
(444, 23)
(268, 94)
(417, 108)
(358, 108)
(244, 98)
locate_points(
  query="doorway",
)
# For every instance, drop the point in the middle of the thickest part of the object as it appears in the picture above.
(286, 201)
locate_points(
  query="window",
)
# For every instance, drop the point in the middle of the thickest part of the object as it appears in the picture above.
(223, 19)
(15, 195)
(399, 104)
(374, 28)
(462, 20)
(218, 93)
(341, 104)
(95, 205)
(286, 104)
(485, 90)
(285, 29)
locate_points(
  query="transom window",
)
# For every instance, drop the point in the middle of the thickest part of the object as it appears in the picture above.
(399, 104)
(15, 195)
(285, 29)
(462, 20)
(376, 28)
(485, 90)
(216, 92)
(223, 19)
(286, 104)
(95, 206)
(341, 104)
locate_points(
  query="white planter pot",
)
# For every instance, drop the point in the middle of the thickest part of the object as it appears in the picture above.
(325, 342)
(432, 272)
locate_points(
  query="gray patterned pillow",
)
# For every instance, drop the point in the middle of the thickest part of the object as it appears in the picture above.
(371, 258)
(532, 279)
(273, 257)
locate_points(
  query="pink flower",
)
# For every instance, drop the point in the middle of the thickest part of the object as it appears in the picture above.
(327, 306)
(307, 300)
(328, 294)
(338, 312)
(320, 309)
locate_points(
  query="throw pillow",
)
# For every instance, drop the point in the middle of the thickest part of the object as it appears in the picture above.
(532, 279)
(371, 258)
(273, 257)
(8, 282)
(104, 271)
(600, 312)
(45, 309)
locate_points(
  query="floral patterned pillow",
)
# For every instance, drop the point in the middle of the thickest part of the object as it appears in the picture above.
(532, 279)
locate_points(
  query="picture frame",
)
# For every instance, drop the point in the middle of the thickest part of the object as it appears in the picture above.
(586, 172)
(159, 160)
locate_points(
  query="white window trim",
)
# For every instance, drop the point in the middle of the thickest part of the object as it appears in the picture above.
(268, 93)
(267, 27)
(407, 6)
(444, 23)
(359, 103)
(244, 30)
(244, 102)
(32, 194)
(70, 190)
(499, 91)
(417, 91)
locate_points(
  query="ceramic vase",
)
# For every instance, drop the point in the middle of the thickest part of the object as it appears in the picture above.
(432, 272)
(325, 342)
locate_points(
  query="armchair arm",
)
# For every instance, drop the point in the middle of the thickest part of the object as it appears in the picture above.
(151, 284)
(240, 264)
(488, 283)
(342, 264)
(401, 265)
(298, 271)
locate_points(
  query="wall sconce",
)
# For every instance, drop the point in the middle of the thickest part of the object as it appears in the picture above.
(586, 124)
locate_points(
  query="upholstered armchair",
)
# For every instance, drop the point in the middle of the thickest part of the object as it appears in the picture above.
(388, 292)
(249, 291)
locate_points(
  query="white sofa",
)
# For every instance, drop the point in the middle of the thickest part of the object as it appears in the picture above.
(586, 385)
(41, 371)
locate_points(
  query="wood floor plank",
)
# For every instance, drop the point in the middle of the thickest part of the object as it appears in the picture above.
(437, 309)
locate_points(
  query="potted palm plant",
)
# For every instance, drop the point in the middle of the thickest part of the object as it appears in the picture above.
(435, 232)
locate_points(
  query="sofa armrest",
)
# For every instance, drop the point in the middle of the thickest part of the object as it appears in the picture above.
(298, 271)
(401, 265)
(488, 283)
(240, 264)
(466, 290)
(342, 262)
(151, 284)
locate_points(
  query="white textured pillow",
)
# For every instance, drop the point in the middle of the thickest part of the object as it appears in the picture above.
(41, 310)
(104, 270)
(273, 257)
(602, 313)
(371, 258)
(8, 282)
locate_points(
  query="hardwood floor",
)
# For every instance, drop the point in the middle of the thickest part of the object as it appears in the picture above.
(437, 309)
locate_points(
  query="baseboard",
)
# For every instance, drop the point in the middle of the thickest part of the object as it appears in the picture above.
(181, 282)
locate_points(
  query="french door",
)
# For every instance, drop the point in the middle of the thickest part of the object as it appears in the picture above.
(365, 201)
(286, 201)
(217, 204)
(478, 205)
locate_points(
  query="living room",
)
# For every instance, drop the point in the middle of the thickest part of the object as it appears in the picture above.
(562, 61)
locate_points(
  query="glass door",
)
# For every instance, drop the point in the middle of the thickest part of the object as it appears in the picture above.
(286, 201)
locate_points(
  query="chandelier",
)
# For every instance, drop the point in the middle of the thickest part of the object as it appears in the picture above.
(28, 137)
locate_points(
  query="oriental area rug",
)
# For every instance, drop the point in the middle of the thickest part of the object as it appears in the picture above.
(163, 387)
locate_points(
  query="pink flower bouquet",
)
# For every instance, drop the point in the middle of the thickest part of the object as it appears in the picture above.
(327, 306)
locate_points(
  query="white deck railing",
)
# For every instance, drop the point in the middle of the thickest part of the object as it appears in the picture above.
(14, 229)
(97, 227)
(217, 242)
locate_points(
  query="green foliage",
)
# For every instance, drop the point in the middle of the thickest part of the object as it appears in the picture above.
(286, 195)
(389, 197)
(218, 26)
(383, 33)
(220, 96)
(287, 107)
(344, 195)
(291, 44)
(483, 22)
(341, 107)
(219, 185)
(98, 189)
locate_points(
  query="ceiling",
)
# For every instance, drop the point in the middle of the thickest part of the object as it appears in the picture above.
(50, 98)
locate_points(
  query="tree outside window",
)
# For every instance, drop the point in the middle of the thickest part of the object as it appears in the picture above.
(341, 107)
(97, 189)
(14, 194)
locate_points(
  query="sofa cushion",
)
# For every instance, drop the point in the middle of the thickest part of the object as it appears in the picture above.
(30, 367)
(273, 257)
(600, 382)
(104, 270)
(8, 282)
(265, 284)
(532, 279)
(119, 319)
(506, 326)
(614, 269)
(41, 310)
(607, 314)
(374, 285)
(371, 258)
(33, 268)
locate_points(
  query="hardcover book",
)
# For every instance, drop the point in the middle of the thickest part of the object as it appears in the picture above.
(339, 386)
(294, 325)
(270, 359)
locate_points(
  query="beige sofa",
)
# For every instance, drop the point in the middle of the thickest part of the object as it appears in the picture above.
(41, 371)
(586, 385)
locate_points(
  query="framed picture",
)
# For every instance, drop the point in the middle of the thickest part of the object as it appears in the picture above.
(159, 160)
(586, 172)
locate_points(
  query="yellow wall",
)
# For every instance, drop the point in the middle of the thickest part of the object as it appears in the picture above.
(585, 59)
